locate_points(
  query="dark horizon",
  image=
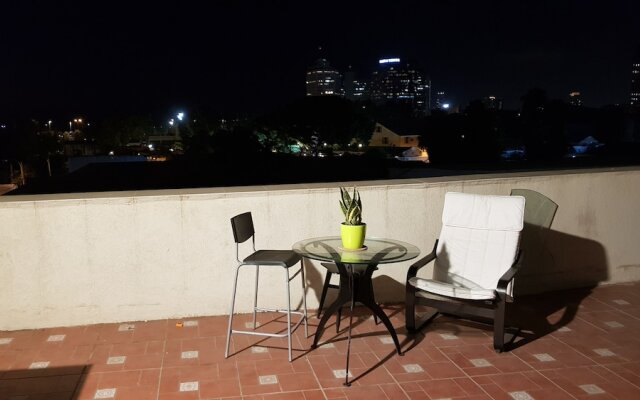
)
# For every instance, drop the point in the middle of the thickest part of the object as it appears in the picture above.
(86, 59)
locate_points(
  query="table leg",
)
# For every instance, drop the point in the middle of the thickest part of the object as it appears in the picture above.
(355, 287)
(377, 311)
(344, 296)
(366, 296)
(351, 289)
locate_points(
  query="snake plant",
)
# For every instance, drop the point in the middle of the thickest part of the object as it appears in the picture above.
(351, 206)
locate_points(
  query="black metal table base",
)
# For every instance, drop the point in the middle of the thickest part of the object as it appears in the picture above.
(356, 286)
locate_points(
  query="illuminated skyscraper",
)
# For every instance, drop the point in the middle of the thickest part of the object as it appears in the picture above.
(354, 89)
(635, 82)
(492, 103)
(360, 90)
(323, 80)
(440, 100)
(396, 82)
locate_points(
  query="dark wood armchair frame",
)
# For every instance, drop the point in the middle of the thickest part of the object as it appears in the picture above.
(486, 311)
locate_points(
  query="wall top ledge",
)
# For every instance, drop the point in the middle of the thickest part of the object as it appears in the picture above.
(223, 191)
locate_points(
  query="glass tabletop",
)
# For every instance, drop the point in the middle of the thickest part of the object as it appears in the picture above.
(376, 251)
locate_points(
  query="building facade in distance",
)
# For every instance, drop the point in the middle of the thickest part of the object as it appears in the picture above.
(398, 82)
(355, 89)
(441, 103)
(634, 98)
(575, 98)
(492, 103)
(323, 80)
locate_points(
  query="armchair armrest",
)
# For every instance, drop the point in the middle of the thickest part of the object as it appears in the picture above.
(507, 277)
(413, 270)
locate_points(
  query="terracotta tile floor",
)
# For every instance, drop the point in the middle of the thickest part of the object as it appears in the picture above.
(575, 344)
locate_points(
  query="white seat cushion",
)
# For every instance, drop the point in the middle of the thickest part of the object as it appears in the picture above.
(473, 211)
(450, 290)
(478, 242)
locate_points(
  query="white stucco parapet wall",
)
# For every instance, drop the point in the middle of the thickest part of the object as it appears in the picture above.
(74, 259)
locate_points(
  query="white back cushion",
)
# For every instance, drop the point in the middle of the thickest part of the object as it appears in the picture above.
(479, 239)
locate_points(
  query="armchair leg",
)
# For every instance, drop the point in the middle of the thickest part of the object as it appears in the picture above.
(411, 323)
(410, 309)
(498, 326)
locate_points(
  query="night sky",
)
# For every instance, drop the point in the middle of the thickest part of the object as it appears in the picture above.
(96, 58)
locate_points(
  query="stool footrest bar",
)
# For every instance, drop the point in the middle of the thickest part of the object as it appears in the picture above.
(254, 333)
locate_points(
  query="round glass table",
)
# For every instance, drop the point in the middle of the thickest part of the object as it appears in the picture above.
(376, 251)
(356, 268)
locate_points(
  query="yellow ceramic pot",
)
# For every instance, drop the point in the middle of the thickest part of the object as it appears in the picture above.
(353, 236)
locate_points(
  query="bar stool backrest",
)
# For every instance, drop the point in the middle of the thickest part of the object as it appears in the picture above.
(242, 225)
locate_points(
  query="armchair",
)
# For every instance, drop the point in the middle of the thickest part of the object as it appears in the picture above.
(474, 260)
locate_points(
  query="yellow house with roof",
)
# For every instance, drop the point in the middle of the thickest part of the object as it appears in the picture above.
(385, 137)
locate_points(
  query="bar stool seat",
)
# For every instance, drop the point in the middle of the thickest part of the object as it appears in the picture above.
(285, 258)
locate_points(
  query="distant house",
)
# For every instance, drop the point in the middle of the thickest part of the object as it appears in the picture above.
(73, 148)
(586, 146)
(385, 137)
(414, 154)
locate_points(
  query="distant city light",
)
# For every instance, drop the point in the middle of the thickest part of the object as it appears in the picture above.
(150, 146)
(171, 122)
(180, 116)
(446, 106)
(388, 60)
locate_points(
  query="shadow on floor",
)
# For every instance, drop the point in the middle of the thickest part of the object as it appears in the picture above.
(538, 315)
(58, 383)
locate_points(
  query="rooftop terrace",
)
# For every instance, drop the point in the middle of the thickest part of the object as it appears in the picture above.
(78, 272)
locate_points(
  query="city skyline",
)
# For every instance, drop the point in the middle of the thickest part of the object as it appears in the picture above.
(88, 59)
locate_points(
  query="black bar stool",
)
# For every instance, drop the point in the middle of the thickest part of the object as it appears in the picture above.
(243, 230)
